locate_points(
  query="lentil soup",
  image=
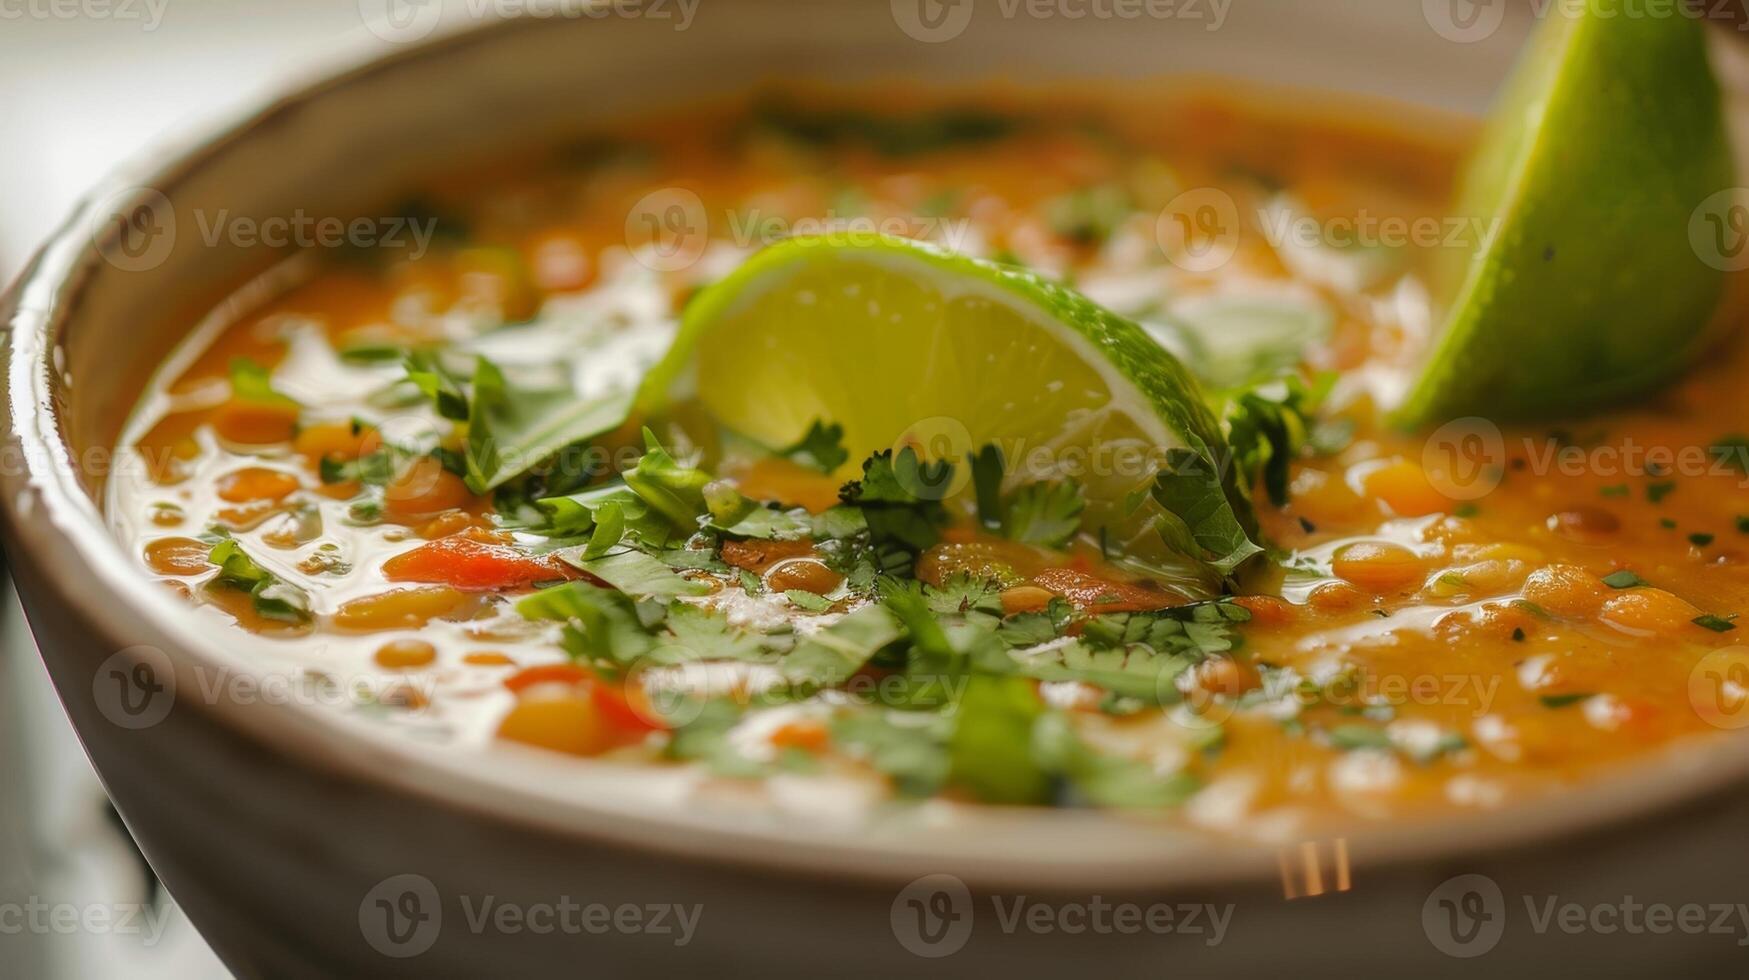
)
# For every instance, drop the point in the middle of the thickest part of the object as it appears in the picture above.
(369, 480)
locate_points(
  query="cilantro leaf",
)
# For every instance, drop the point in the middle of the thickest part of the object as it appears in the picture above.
(821, 448)
(1718, 624)
(512, 428)
(990, 752)
(987, 467)
(698, 634)
(1044, 514)
(639, 575)
(1732, 451)
(1266, 427)
(672, 490)
(1106, 780)
(251, 382)
(582, 513)
(1193, 493)
(829, 656)
(899, 497)
(807, 601)
(601, 625)
(273, 597)
(910, 748)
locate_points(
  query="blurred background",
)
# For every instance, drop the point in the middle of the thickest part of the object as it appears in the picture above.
(83, 85)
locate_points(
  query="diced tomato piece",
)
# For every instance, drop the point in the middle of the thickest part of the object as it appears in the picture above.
(528, 677)
(620, 718)
(1267, 610)
(757, 556)
(620, 714)
(473, 560)
(1090, 592)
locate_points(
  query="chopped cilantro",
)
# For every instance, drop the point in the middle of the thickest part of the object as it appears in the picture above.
(639, 575)
(1106, 780)
(1656, 492)
(251, 382)
(1624, 579)
(1359, 737)
(1044, 514)
(601, 625)
(273, 597)
(1616, 490)
(1700, 540)
(1718, 624)
(990, 751)
(821, 448)
(1089, 215)
(807, 601)
(987, 467)
(1563, 700)
(1732, 451)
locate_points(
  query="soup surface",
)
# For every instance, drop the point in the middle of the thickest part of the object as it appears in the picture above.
(1445, 621)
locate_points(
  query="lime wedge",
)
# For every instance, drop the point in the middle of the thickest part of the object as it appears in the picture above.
(1587, 288)
(904, 344)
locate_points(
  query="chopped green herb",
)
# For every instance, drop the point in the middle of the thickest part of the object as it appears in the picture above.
(1617, 490)
(1359, 737)
(1732, 451)
(1624, 579)
(1718, 624)
(639, 575)
(1563, 700)
(990, 752)
(807, 601)
(273, 597)
(1700, 540)
(253, 383)
(821, 448)
(1656, 492)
